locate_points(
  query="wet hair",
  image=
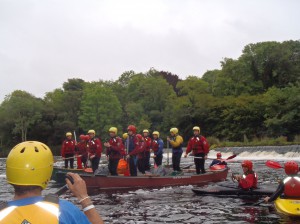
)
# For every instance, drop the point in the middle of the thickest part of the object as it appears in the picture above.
(21, 190)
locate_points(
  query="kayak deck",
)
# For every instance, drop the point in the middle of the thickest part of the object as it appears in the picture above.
(290, 207)
(233, 190)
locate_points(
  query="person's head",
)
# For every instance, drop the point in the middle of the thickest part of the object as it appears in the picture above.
(125, 136)
(140, 137)
(155, 134)
(291, 168)
(196, 130)
(145, 132)
(92, 133)
(173, 131)
(113, 132)
(29, 167)
(247, 166)
(219, 155)
(131, 130)
(69, 135)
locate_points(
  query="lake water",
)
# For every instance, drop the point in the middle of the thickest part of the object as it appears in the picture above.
(176, 204)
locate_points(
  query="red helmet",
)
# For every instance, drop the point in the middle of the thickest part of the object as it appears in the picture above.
(87, 137)
(291, 168)
(248, 164)
(131, 128)
(219, 155)
(82, 137)
(139, 137)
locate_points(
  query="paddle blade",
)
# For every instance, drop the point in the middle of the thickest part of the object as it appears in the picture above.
(231, 157)
(273, 164)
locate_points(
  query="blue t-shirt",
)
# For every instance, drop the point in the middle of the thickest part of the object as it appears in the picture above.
(69, 213)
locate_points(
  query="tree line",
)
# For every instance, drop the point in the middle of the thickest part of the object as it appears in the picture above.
(254, 96)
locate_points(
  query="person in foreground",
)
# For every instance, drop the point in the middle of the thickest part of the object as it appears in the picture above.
(248, 180)
(29, 167)
(218, 160)
(290, 186)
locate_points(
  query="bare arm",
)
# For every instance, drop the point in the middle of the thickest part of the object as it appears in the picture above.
(79, 190)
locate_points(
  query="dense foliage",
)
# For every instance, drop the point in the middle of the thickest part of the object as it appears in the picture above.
(252, 97)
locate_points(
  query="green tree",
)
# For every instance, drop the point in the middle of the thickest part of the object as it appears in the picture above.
(99, 109)
(23, 110)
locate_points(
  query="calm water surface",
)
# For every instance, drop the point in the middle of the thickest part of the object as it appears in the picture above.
(176, 204)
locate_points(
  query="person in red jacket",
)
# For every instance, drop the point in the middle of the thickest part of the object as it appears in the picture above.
(94, 146)
(249, 179)
(139, 151)
(68, 150)
(82, 153)
(290, 186)
(115, 150)
(200, 148)
(148, 142)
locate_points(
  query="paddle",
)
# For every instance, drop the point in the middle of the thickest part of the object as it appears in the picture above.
(64, 188)
(273, 164)
(230, 157)
(253, 204)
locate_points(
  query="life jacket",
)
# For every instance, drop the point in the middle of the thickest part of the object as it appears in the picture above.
(45, 211)
(177, 149)
(148, 142)
(122, 166)
(254, 185)
(292, 187)
(117, 143)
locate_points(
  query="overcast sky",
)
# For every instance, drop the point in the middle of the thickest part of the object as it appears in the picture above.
(45, 42)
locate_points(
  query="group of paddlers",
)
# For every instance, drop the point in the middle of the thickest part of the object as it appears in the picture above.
(132, 152)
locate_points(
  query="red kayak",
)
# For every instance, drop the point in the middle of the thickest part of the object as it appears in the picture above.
(153, 181)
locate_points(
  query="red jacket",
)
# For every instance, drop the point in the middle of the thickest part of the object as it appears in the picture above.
(198, 144)
(148, 142)
(68, 147)
(292, 187)
(248, 181)
(116, 149)
(94, 146)
(82, 148)
(139, 150)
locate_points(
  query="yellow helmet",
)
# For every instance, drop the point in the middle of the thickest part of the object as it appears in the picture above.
(113, 129)
(125, 136)
(156, 133)
(145, 131)
(68, 134)
(196, 128)
(29, 164)
(174, 130)
(91, 132)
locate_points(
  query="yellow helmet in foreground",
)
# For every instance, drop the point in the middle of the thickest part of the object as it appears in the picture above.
(113, 129)
(29, 164)
(174, 130)
(156, 133)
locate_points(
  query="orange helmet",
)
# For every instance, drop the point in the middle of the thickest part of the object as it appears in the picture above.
(139, 137)
(219, 155)
(131, 128)
(248, 164)
(291, 168)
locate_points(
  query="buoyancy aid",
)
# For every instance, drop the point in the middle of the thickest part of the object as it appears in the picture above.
(292, 186)
(45, 211)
